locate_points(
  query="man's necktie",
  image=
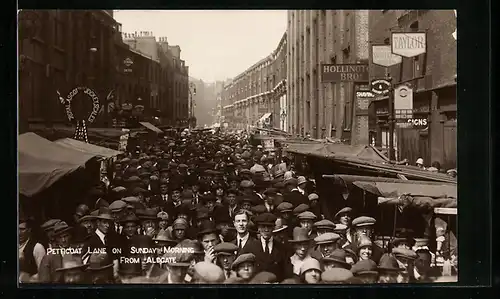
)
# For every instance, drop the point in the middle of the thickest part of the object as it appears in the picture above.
(228, 273)
(240, 243)
(266, 247)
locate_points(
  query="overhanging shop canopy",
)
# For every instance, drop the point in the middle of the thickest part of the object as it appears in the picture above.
(88, 148)
(416, 195)
(42, 163)
(151, 127)
(264, 117)
(335, 150)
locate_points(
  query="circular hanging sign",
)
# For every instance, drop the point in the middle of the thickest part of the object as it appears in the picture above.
(96, 105)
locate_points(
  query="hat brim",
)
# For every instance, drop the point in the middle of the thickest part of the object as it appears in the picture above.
(286, 211)
(104, 218)
(335, 260)
(99, 268)
(266, 223)
(363, 224)
(82, 267)
(60, 232)
(326, 242)
(207, 231)
(366, 273)
(86, 218)
(182, 264)
(280, 229)
(300, 241)
(390, 269)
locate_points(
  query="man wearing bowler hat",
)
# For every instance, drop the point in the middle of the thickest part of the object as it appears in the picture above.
(270, 255)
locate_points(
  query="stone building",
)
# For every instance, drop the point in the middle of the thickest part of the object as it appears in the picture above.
(257, 96)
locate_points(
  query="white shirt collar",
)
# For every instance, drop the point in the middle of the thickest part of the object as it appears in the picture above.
(100, 235)
(270, 244)
(243, 239)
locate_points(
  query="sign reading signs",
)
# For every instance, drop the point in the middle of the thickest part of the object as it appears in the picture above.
(403, 98)
(412, 123)
(408, 44)
(383, 56)
(344, 73)
(380, 86)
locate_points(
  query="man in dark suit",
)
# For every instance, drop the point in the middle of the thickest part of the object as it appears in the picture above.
(161, 200)
(104, 239)
(243, 239)
(270, 255)
(292, 194)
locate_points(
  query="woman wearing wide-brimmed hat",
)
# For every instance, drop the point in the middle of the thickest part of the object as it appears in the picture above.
(302, 244)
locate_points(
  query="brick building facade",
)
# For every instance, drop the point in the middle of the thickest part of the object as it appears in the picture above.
(257, 96)
(318, 37)
(431, 75)
(62, 49)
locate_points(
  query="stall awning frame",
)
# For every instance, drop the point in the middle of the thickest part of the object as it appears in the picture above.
(150, 127)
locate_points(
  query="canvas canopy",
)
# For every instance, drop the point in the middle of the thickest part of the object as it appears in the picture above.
(88, 148)
(150, 127)
(42, 163)
(415, 195)
(335, 150)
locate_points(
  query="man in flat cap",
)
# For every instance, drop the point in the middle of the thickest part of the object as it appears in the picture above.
(292, 194)
(327, 243)
(53, 260)
(306, 220)
(226, 254)
(207, 273)
(364, 226)
(269, 254)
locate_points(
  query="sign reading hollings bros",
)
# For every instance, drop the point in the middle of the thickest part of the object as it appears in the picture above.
(344, 73)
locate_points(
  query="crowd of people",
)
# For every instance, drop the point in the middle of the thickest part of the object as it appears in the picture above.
(203, 208)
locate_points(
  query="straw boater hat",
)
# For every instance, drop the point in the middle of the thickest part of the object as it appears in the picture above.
(279, 226)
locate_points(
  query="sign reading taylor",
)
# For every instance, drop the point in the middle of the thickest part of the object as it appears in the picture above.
(408, 44)
(344, 73)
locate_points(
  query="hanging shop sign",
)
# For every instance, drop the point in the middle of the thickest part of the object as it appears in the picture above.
(403, 98)
(380, 86)
(408, 44)
(382, 55)
(128, 65)
(81, 124)
(344, 73)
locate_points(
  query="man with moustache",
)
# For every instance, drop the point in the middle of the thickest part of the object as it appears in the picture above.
(54, 260)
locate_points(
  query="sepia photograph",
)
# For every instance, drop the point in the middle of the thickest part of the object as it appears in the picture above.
(237, 147)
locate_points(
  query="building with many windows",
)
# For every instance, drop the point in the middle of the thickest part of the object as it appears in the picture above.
(60, 50)
(318, 37)
(257, 96)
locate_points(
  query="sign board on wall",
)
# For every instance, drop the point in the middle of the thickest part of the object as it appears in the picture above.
(344, 73)
(408, 44)
(403, 98)
(382, 55)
